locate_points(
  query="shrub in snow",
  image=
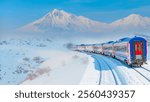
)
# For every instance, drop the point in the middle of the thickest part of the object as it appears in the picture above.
(38, 60)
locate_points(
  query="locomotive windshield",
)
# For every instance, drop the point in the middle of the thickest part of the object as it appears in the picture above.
(138, 50)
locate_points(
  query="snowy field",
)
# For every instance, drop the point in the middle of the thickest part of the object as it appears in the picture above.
(66, 68)
(42, 61)
(22, 61)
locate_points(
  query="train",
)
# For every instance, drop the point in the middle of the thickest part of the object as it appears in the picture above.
(132, 51)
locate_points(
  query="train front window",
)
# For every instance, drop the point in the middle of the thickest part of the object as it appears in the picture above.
(140, 47)
(138, 50)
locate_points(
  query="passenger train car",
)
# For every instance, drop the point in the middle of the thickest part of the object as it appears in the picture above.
(90, 47)
(108, 48)
(132, 51)
(81, 47)
(98, 48)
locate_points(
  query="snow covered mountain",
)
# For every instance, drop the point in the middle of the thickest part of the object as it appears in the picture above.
(132, 23)
(59, 20)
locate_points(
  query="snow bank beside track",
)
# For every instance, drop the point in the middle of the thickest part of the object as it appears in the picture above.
(66, 68)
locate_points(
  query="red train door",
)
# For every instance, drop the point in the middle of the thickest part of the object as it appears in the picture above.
(138, 49)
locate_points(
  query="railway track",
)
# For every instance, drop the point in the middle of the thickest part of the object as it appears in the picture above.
(141, 74)
(100, 63)
(138, 71)
(100, 70)
(121, 63)
(145, 69)
(135, 69)
(116, 77)
(112, 71)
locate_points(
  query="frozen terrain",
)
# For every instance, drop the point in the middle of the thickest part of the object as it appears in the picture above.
(109, 71)
(66, 68)
(19, 58)
(42, 61)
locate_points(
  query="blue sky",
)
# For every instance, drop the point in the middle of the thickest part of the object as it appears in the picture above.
(16, 13)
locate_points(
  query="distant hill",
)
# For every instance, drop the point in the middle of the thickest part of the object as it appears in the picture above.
(60, 21)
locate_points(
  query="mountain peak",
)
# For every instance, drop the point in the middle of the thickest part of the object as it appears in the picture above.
(134, 16)
(133, 23)
(59, 20)
(132, 19)
(62, 21)
(56, 11)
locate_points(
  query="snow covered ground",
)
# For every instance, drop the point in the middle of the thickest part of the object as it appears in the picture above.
(22, 61)
(19, 58)
(42, 61)
(65, 68)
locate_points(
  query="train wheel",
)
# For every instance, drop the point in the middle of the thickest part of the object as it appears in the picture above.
(131, 65)
(140, 65)
(125, 61)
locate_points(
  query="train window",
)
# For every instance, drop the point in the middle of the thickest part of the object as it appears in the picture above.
(135, 47)
(107, 48)
(95, 48)
(138, 46)
(120, 48)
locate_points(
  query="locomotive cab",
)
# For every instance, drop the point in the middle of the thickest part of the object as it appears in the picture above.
(139, 51)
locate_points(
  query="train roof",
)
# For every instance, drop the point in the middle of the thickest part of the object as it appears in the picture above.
(86, 44)
(109, 42)
(98, 44)
(122, 40)
(127, 39)
(82, 45)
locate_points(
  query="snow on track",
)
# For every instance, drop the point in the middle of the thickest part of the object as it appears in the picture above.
(132, 76)
(110, 71)
(91, 76)
(144, 72)
(108, 65)
(107, 75)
